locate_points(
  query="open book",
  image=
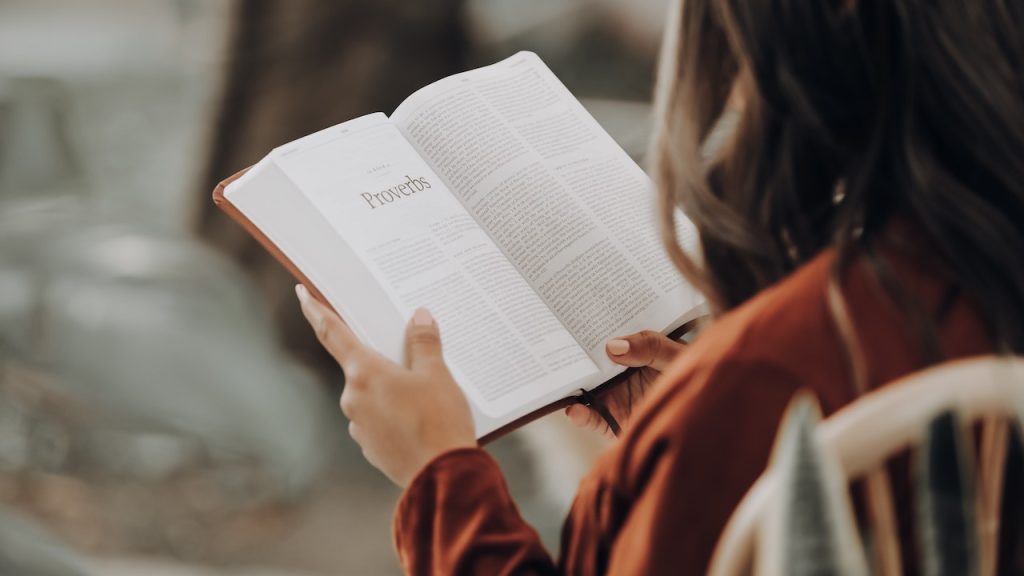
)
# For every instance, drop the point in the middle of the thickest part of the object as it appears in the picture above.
(493, 199)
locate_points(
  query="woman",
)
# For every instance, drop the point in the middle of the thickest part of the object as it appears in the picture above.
(864, 221)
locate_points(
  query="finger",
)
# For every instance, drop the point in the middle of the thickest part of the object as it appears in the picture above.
(334, 334)
(584, 417)
(646, 348)
(578, 415)
(423, 342)
(355, 432)
(348, 401)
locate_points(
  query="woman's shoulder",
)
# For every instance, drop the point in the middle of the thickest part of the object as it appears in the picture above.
(785, 329)
(741, 372)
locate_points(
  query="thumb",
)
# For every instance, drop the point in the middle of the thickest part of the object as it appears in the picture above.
(646, 348)
(422, 342)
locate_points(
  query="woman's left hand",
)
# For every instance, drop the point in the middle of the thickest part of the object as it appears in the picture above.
(401, 416)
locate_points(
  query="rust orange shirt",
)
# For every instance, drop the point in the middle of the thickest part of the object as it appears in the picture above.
(656, 502)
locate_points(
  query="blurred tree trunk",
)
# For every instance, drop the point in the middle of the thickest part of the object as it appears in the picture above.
(297, 66)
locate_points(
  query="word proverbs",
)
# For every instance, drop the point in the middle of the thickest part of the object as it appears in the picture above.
(410, 187)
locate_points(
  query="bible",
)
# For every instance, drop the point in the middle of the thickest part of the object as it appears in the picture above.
(496, 201)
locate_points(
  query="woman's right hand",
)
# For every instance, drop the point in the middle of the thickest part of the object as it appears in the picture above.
(650, 352)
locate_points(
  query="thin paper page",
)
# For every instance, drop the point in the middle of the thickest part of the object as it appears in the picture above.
(567, 205)
(504, 346)
(271, 201)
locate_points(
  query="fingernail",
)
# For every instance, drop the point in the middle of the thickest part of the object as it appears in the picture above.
(301, 292)
(422, 317)
(618, 347)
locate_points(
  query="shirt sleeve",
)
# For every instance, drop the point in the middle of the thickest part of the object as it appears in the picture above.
(687, 467)
(457, 517)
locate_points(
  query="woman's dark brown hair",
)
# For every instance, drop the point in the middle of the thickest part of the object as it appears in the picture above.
(853, 111)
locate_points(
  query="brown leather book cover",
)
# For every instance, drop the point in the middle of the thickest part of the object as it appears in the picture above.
(237, 216)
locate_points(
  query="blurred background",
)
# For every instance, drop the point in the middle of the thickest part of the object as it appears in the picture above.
(163, 407)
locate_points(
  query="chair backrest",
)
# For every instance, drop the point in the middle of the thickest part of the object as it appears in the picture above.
(888, 421)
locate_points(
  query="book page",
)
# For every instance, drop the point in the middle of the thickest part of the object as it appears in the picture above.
(504, 346)
(566, 204)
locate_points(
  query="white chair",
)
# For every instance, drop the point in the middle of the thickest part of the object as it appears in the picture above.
(885, 422)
